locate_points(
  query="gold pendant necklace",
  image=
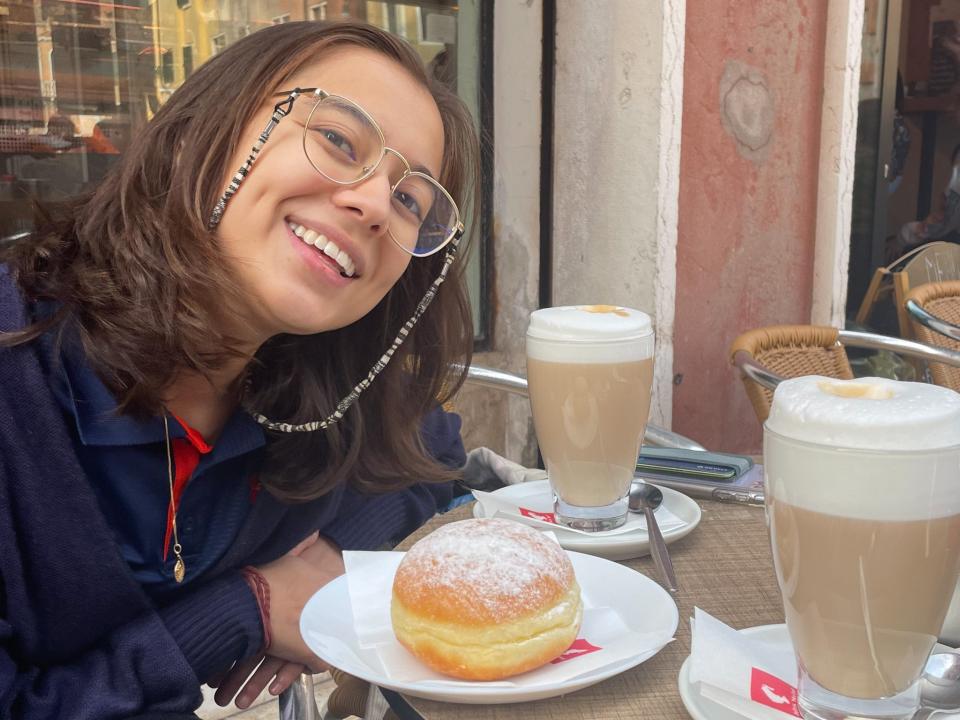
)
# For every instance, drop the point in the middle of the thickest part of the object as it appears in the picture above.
(179, 568)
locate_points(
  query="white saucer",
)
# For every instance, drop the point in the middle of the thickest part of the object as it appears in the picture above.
(537, 496)
(328, 628)
(701, 708)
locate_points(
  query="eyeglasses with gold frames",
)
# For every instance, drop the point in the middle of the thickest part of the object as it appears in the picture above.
(344, 144)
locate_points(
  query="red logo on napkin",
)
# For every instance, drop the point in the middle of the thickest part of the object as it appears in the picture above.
(579, 647)
(545, 516)
(773, 692)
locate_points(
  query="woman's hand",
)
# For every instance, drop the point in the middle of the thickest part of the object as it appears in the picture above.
(327, 563)
(293, 579)
(265, 668)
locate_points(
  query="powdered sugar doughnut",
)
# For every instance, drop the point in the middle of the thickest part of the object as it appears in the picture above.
(485, 599)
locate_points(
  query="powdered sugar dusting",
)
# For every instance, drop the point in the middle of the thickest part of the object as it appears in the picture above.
(493, 569)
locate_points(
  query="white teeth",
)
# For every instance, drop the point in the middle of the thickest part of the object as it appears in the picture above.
(328, 247)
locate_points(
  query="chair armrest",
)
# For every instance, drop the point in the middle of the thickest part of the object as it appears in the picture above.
(850, 338)
(872, 341)
(932, 321)
(508, 382)
(755, 371)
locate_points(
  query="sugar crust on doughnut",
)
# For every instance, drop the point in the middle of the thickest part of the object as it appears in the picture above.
(485, 599)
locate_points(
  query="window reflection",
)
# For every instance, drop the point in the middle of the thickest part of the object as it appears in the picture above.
(77, 77)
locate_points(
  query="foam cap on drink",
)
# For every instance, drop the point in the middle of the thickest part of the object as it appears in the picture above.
(589, 334)
(866, 413)
(894, 418)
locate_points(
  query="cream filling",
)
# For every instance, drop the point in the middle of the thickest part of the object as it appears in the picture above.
(326, 246)
(491, 651)
(561, 616)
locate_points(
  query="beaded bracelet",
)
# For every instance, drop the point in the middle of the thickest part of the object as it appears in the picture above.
(261, 591)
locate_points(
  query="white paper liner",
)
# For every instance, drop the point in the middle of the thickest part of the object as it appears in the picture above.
(497, 506)
(370, 582)
(726, 664)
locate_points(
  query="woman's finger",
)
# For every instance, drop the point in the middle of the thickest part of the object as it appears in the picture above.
(286, 676)
(235, 679)
(258, 681)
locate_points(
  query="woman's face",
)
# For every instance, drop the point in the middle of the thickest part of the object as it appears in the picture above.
(290, 286)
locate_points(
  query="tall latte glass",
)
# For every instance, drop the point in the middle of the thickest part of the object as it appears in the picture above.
(863, 500)
(589, 370)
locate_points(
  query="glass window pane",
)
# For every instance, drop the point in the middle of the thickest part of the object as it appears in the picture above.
(78, 78)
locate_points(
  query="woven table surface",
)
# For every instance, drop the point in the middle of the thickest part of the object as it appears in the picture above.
(724, 567)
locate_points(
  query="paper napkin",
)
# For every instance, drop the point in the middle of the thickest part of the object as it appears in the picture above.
(754, 678)
(538, 512)
(604, 637)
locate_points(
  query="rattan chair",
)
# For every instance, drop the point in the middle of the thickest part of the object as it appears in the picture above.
(935, 311)
(768, 355)
(933, 262)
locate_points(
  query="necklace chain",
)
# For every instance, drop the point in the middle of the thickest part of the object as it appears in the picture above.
(179, 568)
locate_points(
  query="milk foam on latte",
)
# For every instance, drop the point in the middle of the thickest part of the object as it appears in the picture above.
(866, 414)
(598, 333)
(863, 494)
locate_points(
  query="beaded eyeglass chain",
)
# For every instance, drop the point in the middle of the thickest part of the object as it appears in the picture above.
(279, 112)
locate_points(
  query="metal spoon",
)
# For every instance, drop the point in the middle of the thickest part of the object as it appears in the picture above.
(646, 498)
(940, 682)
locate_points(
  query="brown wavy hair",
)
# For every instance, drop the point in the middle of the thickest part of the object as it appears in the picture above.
(134, 269)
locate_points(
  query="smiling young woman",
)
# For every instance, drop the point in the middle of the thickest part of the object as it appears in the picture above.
(241, 305)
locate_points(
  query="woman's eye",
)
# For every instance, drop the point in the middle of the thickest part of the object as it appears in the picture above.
(338, 141)
(408, 203)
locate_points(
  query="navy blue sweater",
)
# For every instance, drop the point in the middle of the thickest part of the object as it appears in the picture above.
(79, 638)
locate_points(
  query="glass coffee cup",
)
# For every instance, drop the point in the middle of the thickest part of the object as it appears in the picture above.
(589, 371)
(863, 501)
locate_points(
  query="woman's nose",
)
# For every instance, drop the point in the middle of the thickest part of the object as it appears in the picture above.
(369, 200)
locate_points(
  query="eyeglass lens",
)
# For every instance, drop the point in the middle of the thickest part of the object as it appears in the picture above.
(343, 144)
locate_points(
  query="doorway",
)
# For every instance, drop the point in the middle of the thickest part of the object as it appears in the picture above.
(908, 129)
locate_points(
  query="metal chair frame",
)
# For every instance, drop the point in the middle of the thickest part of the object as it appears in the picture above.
(933, 322)
(932, 262)
(850, 338)
(499, 380)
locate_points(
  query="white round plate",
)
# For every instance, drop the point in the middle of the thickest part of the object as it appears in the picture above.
(328, 630)
(538, 496)
(701, 708)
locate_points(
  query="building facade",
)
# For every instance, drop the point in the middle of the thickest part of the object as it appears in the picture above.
(691, 158)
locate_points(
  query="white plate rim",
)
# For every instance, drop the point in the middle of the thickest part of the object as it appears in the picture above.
(592, 545)
(480, 693)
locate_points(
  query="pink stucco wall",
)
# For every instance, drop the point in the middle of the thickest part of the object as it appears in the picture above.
(753, 79)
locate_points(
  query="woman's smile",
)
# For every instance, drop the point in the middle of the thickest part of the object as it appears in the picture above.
(321, 264)
(327, 246)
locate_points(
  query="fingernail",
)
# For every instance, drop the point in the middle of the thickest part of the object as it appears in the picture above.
(275, 688)
(242, 702)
